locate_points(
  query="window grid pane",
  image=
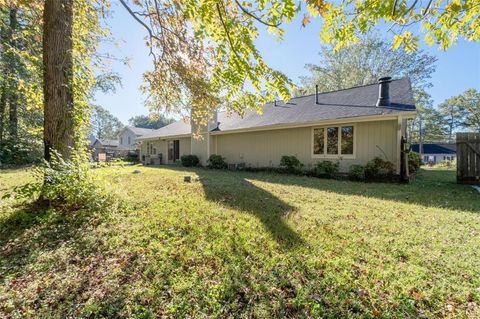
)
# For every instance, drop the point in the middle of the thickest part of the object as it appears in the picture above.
(332, 140)
(347, 140)
(318, 141)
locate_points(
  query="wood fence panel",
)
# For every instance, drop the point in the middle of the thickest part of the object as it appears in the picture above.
(468, 158)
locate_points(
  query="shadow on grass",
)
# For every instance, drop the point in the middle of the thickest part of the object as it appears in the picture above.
(237, 192)
(430, 188)
(37, 242)
(31, 229)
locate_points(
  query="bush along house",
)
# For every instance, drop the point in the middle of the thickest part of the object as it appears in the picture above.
(348, 127)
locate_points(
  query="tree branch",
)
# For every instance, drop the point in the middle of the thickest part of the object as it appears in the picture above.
(150, 32)
(255, 17)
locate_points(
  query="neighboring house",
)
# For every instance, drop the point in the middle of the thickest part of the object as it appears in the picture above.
(436, 152)
(128, 136)
(125, 145)
(109, 147)
(351, 126)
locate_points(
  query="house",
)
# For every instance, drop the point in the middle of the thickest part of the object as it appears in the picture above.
(127, 137)
(433, 153)
(124, 146)
(108, 147)
(351, 126)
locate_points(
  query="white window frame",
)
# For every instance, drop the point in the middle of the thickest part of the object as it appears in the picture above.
(339, 146)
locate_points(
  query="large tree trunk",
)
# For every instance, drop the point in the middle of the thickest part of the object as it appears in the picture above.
(3, 104)
(58, 72)
(13, 85)
(3, 90)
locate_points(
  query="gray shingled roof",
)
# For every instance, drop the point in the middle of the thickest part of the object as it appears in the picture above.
(140, 130)
(177, 128)
(349, 103)
(108, 142)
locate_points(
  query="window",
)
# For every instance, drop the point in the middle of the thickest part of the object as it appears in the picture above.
(154, 151)
(173, 150)
(334, 141)
(318, 141)
(347, 140)
(121, 140)
(128, 138)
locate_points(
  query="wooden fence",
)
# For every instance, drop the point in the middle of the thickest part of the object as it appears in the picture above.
(468, 158)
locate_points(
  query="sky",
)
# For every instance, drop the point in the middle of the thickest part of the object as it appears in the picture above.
(457, 69)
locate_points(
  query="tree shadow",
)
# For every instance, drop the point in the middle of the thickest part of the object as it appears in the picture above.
(31, 229)
(430, 188)
(236, 192)
(36, 242)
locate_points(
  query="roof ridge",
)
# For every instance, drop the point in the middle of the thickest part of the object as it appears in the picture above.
(328, 92)
(339, 90)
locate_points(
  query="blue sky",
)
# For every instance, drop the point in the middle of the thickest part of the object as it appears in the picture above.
(457, 69)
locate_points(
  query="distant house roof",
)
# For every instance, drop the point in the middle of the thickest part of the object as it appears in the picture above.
(348, 103)
(139, 131)
(436, 148)
(107, 142)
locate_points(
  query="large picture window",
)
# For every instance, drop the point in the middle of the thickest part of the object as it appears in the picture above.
(334, 141)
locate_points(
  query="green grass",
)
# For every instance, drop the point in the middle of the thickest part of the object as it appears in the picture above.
(234, 244)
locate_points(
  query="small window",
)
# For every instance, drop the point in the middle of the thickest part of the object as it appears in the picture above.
(154, 151)
(121, 140)
(332, 140)
(318, 141)
(128, 139)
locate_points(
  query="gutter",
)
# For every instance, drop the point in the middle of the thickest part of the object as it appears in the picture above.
(346, 120)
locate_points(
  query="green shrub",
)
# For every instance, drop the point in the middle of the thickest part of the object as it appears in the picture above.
(18, 152)
(414, 162)
(378, 168)
(69, 185)
(189, 160)
(327, 169)
(291, 164)
(446, 164)
(216, 162)
(357, 172)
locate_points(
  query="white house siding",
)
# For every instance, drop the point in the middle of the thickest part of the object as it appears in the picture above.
(123, 139)
(437, 158)
(265, 148)
(161, 146)
(185, 146)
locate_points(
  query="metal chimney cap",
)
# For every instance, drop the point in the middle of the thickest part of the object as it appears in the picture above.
(385, 79)
(384, 91)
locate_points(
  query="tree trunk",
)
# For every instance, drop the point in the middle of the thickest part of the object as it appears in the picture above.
(58, 73)
(3, 104)
(13, 84)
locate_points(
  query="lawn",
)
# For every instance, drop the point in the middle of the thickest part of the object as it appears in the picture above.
(233, 244)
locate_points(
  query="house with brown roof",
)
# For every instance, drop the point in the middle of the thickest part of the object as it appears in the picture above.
(351, 126)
